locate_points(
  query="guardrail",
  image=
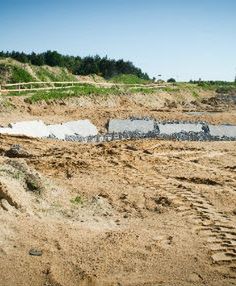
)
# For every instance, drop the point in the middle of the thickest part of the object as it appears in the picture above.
(30, 86)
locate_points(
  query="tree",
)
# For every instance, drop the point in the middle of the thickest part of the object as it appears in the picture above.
(171, 80)
(23, 58)
(88, 66)
(37, 59)
(53, 58)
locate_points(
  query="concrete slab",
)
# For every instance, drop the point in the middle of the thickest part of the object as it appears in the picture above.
(59, 131)
(171, 128)
(38, 129)
(128, 125)
(222, 130)
(81, 127)
(34, 128)
(7, 130)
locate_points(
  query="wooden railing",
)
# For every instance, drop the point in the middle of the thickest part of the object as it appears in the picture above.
(30, 86)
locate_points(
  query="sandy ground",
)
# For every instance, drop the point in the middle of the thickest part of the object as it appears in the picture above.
(145, 212)
(149, 213)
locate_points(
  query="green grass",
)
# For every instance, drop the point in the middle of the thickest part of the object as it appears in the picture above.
(77, 91)
(128, 79)
(226, 89)
(18, 74)
(77, 200)
(143, 90)
(195, 94)
(218, 86)
(81, 90)
(170, 89)
(12, 71)
(151, 90)
(45, 74)
(13, 74)
(93, 91)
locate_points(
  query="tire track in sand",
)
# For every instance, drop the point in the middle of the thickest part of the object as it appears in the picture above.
(215, 227)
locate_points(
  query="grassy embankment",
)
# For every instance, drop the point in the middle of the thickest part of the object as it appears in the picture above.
(12, 71)
(90, 90)
(76, 91)
(95, 91)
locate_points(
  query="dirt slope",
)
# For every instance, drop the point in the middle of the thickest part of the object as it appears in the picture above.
(99, 109)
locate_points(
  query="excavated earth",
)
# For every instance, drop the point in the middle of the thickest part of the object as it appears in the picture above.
(210, 107)
(138, 212)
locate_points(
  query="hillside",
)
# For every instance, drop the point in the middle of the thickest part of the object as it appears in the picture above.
(102, 66)
(12, 71)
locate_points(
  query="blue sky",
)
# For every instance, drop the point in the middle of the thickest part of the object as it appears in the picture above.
(175, 38)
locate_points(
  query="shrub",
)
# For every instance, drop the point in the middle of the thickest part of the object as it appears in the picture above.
(128, 79)
(171, 80)
(77, 200)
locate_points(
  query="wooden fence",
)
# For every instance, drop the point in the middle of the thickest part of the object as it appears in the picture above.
(30, 86)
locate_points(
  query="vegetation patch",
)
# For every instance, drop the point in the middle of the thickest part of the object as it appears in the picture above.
(77, 91)
(45, 74)
(218, 86)
(8, 171)
(226, 89)
(195, 94)
(6, 105)
(143, 90)
(77, 200)
(33, 183)
(19, 74)
(170, 89)
(129, 79)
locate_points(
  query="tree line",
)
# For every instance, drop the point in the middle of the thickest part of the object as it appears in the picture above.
(77, 65)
